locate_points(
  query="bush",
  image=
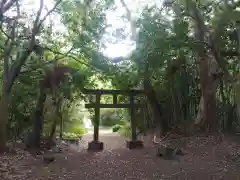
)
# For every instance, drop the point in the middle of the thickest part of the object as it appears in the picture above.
(116, 128)
(122, 122)
(70, 136)
(110, 117)
(125, 130)
(78, 130)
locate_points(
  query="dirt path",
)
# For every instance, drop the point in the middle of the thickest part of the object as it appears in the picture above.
(111, 140)
(204, 160)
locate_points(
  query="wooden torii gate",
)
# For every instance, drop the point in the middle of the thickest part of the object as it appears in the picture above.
(96, 144)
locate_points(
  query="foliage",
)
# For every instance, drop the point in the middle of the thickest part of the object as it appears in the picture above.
(27, 66)
(125, 130)
(71, 136)
(78, 130)
(75, 132)
(116, 128)
(110, 117)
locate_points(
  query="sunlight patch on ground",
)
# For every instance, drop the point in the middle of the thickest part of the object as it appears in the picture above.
(101, 131)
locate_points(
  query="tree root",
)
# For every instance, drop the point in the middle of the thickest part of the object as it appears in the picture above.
(162, 139)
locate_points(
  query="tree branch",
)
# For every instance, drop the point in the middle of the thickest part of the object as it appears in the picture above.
(16, 66)
(49, 12)
(35, 29)
(74, 58)
(212, 41)
(8, 5)
(5, 6)
(36, 68)
(130, 19)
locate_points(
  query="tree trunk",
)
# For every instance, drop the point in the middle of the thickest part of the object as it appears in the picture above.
(51, 135)
(207, 109)
(213, 70)
(61, 127)
(199, 119)
(177, 108)
(55, 122)
(3, 121)
(34, 138)
(208, 93)
(155, 106)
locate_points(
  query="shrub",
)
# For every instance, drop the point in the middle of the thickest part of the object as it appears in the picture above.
(125, 130)
(122, 122)
(70, 136)
(110, 117)
(78, 130)
(116, 128)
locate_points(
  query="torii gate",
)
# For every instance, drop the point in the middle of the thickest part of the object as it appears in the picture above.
(96, 145)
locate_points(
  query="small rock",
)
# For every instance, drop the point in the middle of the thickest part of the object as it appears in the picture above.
(168, 152)
(225, 170)
(48, 158)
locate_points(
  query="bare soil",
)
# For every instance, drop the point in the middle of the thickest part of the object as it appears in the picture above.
(206, 159)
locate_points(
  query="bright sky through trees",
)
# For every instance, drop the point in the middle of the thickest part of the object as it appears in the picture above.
(115, 21)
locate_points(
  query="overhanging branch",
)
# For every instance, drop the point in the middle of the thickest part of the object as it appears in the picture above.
(72, 57)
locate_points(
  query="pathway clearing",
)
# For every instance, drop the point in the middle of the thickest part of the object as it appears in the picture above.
(111, 140)
(205, 160)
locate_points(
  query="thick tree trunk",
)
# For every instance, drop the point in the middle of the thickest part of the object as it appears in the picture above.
(177, 108)
(3, 121)
(208, 93)
(155, 106)
(213, 70)
(199, 120)
(34, 138)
